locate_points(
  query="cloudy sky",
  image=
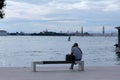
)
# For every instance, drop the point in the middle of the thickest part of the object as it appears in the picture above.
(61, 15)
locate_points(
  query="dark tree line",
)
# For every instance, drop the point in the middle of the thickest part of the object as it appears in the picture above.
(2, 4)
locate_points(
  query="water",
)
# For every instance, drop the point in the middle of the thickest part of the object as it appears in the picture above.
(20, 51)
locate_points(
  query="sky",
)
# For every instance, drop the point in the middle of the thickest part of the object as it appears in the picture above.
(61, 15)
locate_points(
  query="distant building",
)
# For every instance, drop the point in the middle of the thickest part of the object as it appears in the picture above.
(3, 33)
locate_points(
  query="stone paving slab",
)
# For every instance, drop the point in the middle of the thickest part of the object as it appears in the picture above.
(61, 73)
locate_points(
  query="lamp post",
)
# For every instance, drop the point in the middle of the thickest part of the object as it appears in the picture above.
(118, 36)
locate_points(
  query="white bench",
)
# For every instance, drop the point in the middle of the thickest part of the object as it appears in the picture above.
(80, 64)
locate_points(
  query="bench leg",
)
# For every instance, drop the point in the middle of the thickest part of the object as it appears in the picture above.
(81, 66)
(34, 67)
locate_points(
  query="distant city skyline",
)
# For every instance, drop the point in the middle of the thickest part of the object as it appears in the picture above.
(61, 15)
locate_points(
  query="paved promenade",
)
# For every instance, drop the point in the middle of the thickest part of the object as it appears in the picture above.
(61, 73)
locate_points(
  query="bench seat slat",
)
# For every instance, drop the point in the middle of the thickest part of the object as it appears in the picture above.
(57, 62)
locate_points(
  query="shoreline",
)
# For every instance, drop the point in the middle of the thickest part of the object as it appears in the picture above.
(60, 73)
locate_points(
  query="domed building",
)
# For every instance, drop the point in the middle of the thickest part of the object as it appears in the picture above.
(3, 33)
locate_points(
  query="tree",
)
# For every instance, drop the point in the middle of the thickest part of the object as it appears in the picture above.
(2, 4)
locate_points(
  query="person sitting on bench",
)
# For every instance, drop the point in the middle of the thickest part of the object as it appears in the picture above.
(77, 52)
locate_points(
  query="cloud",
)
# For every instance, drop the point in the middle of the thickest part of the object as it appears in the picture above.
(104, 5)
(62, 13)
(25, 10)
(112, 7)
(69, 6)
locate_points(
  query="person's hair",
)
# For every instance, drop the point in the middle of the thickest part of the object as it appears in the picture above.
(75, 44)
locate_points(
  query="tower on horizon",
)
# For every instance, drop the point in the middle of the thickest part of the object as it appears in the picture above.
(103, 32)
(82, 30)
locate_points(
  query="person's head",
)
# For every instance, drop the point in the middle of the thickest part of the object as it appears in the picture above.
(116, 45)
(75, 45)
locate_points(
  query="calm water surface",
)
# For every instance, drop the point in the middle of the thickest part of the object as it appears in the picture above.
(20, 51)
